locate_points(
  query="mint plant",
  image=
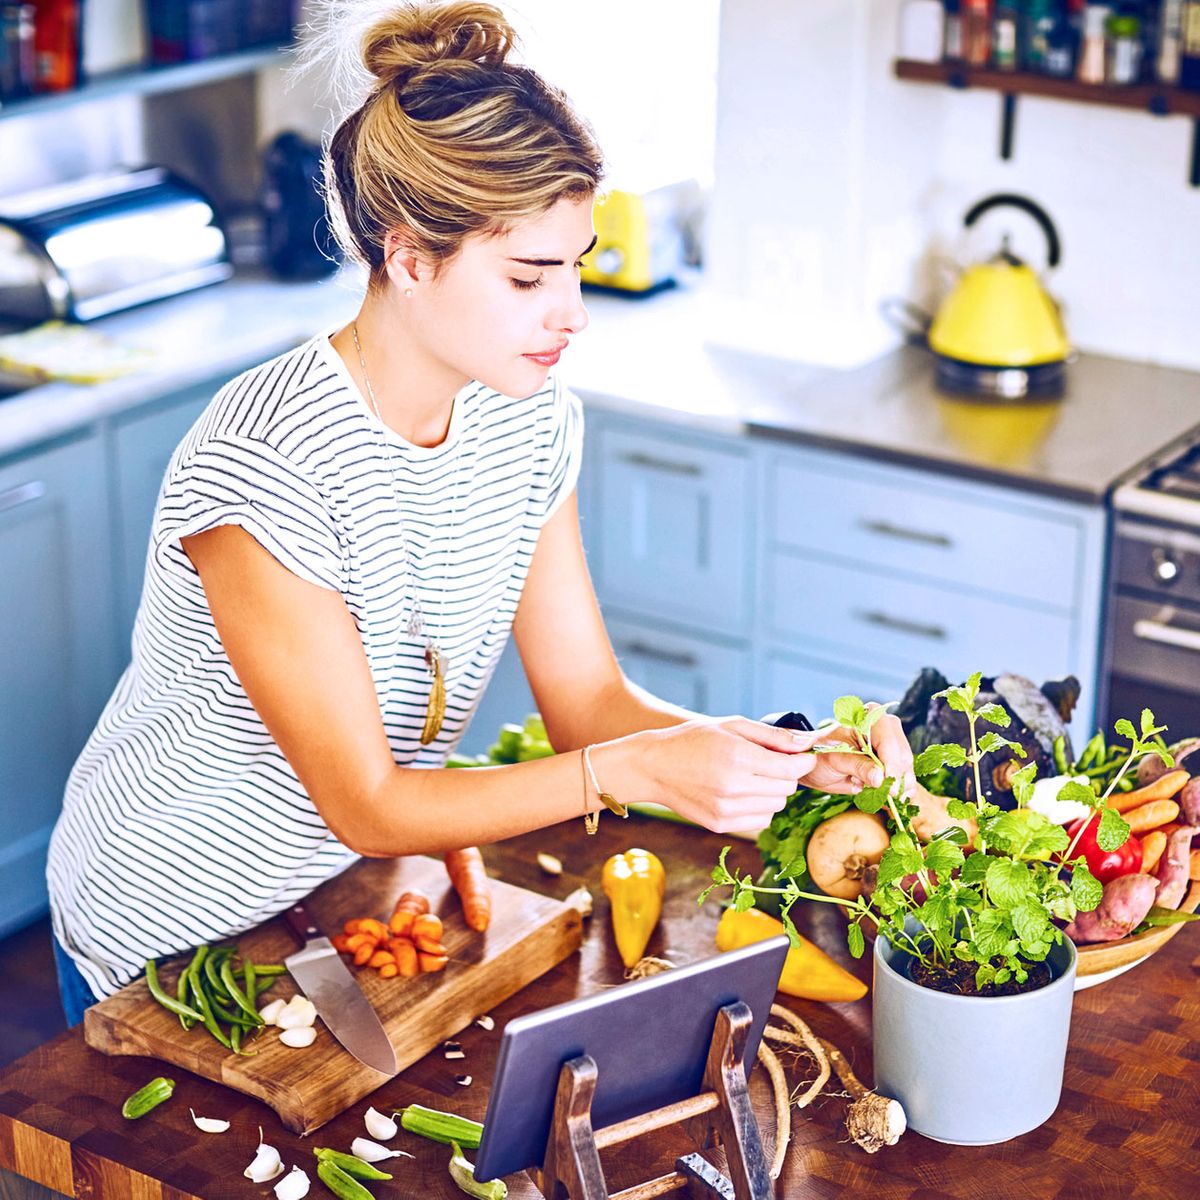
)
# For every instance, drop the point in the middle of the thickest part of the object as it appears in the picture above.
(987, 895)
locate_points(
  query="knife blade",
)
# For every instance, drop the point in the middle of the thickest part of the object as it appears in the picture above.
(339, 1001)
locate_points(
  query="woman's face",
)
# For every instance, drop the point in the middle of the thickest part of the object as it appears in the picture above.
(504, 308)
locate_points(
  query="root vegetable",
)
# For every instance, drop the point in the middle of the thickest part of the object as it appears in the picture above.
(1174, 866)
(874, 1121)
(783, 1107)
(1189, 801)
(932, 816)
(1153, 844)
(1149, 769)
(1151, 816)
(841, 849)
(467, 874)
(800, 1034)
(1194, 868)
(1163, 788)
(1124, 905)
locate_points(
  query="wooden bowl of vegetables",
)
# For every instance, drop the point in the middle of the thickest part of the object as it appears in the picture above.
(1101, 961)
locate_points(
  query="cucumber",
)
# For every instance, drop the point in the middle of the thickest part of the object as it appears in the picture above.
(148, 1097)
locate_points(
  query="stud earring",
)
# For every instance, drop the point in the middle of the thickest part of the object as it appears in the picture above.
(408, 291)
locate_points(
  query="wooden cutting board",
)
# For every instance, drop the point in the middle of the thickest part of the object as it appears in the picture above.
(527, 936)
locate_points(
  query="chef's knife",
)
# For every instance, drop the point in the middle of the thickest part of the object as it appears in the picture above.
(335, 994)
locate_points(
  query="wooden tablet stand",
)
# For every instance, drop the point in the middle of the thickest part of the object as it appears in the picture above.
(571, 1170)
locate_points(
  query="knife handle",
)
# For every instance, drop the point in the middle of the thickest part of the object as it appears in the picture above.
(301, 922)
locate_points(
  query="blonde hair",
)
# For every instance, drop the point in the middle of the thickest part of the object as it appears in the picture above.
(453, 139)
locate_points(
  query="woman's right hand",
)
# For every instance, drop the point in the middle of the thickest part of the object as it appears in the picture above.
(729, 774)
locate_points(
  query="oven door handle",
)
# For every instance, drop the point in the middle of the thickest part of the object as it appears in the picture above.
(1167, 635)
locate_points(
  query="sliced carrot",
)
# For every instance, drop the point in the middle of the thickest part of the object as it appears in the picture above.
(380, 958)
(339, 943)
(429, 926)
(351, 926)
(470, 879)
(1163, 788)
(413, 899)
(406, 958)
(432, 962)
(402, 921)
(1194, 866)
(355, 940)
(429, 945)
(362, 955)
(1153, 844)
(389, 971)
(376, 929)
(1150, 816)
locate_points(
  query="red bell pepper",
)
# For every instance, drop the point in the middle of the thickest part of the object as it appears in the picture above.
(1105, 864)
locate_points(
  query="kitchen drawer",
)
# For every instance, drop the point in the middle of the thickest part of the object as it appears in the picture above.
(700, 674)
(902, 521)
(793, 682)
(902, 625)
(674, 536)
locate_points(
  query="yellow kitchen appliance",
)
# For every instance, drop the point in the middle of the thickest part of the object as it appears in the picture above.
(999, 334)
(641, 238)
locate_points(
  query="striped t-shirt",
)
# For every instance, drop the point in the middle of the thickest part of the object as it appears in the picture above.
(183, 822)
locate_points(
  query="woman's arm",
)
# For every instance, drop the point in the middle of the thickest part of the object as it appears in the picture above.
(297, 653)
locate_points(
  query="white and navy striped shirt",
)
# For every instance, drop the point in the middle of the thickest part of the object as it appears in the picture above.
(183, 822)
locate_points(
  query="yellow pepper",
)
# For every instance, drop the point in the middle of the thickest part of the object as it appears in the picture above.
(634, 883)
(808, 972)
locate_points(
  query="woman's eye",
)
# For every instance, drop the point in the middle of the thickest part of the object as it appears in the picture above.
(526, 285)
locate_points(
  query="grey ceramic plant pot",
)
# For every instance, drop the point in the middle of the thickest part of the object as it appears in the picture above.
(971, 1070)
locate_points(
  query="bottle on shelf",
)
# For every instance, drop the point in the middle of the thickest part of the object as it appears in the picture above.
(57, 45)
(1091, 50)
(977, 32)
(952, 31)
(1189, 48)
(17, 62)
(1062, 43)
(1004, 35)
(1040, 20)
(1123, 35)
(1168, 43)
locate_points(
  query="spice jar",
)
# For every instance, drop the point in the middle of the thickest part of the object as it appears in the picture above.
(1091, 54)
(1124, 52)
(16, 51)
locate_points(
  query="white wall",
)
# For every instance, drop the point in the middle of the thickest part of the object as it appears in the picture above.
(837, 186)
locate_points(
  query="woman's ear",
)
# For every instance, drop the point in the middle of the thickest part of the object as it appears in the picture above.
(403, 265)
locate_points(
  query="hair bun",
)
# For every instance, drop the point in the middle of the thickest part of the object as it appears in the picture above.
(418, 35)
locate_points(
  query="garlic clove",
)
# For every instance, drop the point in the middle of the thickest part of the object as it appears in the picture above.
(371, 1152)
(270, 1012)
(297, 1013)
(208, 1124)
(486, 1022)
(294, 1187)
(381, 1127)
(266, 1164)
(549, 864)
(298, 1037)
(580, 900)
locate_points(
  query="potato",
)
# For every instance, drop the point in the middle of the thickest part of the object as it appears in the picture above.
(932, 817)
(1126, 901)
(842, 848)
(1189, 801)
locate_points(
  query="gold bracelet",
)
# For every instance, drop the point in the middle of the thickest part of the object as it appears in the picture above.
(591, 820)
(606, 798)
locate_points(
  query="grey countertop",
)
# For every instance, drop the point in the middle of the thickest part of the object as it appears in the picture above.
(649, 358)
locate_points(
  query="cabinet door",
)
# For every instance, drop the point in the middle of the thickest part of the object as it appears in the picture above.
(674, 530)
(57, 662)
(142, 446)
(792, 682)
(698, 673)
(507, 700)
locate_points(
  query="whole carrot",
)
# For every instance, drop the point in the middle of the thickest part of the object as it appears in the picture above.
(1153, 844)
(1150, 816)
(467, 874)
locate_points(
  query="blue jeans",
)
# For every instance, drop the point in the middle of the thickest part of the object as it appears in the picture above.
(72, 987)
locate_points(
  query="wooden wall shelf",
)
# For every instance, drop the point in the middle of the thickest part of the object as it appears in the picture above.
(1160, 100)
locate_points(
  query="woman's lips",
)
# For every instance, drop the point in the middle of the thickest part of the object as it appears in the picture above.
(549, 358)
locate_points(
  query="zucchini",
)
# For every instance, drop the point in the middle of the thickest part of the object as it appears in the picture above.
(441, 1127)
(148, 1097)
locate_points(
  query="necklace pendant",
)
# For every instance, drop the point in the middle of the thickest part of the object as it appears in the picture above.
(435, 709)
(416, 626)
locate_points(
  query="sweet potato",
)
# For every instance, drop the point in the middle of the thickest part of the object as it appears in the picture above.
(1174, 866)
(1163, 788)
(1189, 801)
(1124, 905)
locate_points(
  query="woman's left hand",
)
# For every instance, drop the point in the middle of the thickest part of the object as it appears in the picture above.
(848, 774)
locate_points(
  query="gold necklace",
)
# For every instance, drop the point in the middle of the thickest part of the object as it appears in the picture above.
(436, 661)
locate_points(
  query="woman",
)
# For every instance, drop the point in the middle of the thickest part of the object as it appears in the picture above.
(345, 538)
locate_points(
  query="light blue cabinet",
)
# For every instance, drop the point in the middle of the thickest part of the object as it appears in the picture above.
(796, 682)
(140, 446)
(57, 657)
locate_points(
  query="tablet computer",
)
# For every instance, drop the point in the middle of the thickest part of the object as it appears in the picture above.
(650, 1040)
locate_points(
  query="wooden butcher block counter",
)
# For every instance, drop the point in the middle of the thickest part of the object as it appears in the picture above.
(1126, 1126)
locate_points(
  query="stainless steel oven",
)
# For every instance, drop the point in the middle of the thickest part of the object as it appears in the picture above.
(1153, 625)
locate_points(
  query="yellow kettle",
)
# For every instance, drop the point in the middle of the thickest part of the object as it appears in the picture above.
(999, 334)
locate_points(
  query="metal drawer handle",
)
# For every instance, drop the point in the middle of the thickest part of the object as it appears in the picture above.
(676, 658)
(887, 529)
(24, 493)
(1166, 635)
(900, 625)
(661, 464)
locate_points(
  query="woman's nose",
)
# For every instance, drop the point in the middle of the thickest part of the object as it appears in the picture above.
(570, 316)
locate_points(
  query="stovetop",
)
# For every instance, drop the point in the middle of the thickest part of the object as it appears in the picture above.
(1169, 489)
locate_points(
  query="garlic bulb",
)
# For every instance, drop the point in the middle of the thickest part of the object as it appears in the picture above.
(373, 1152)
(298, 1037)
(380, 1127)
(294, 1187)
(270, 1012)
(208, 1124)
(297, 1013)
(266, 1165)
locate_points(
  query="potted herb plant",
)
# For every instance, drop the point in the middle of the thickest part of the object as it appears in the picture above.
(973, 975)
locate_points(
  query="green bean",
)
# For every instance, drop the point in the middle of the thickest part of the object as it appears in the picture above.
(212, 971)
(248, 974)
(167, 1001)
(271, 969)
(354, 1166)
(209, 1018)
(181, 994)
(236, 993)
(344, 1186)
